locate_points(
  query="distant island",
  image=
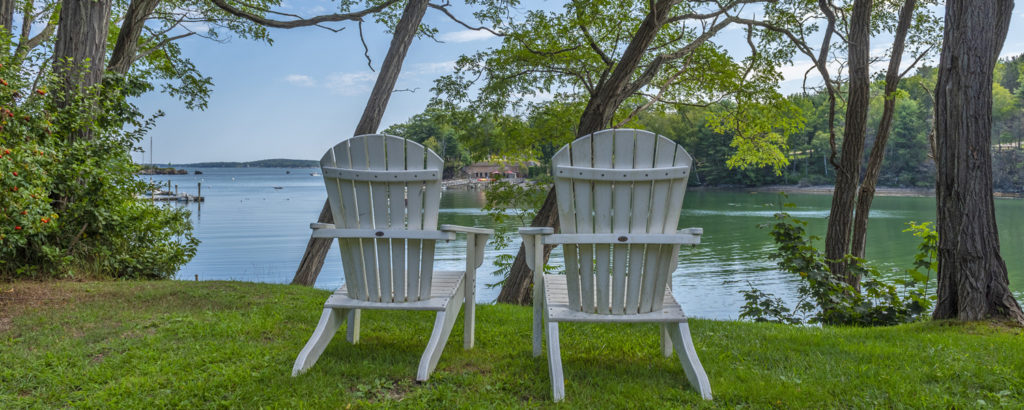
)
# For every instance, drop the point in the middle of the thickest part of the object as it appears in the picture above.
(263, 163)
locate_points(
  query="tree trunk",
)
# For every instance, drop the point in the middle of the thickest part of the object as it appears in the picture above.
(405, 31)
(127, 45)
(520, 278)
(7, 17)
(973, 283)
(892, 80)
(80, 50)
(837, 238)
(596, 115)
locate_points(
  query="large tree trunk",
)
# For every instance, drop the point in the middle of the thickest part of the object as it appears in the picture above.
(837, 238)
(7, 17)
(596, 115)
(973, 283)
(892, 80)
(405, 31)
(127, 45)
(80, 50)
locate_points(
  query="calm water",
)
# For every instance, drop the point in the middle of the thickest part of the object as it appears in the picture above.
(253, 232)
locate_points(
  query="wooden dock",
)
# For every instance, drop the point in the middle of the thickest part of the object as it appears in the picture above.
(156, 194)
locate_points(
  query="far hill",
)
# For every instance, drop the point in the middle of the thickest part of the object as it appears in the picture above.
(263, 163)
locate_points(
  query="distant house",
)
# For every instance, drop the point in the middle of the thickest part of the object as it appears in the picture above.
(494, 170)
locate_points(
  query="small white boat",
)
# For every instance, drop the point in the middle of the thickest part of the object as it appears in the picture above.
(314, 174)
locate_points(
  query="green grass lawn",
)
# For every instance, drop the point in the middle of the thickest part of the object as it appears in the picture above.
(230, 344)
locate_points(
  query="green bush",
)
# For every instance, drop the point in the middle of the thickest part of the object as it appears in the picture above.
(70, 203)
(827, 300)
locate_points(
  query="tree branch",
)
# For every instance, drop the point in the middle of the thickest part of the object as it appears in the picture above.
(597, 49)
(142, 54)
(444, 10)
(301, 22)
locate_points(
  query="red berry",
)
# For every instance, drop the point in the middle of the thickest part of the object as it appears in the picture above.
(41, 92)
(2, 81)
(15, 173)
(15, 189)
(17, 228)
(7, 151)
(45, 220)
(24, 212)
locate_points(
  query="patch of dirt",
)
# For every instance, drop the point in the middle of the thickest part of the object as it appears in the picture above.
(17, 298)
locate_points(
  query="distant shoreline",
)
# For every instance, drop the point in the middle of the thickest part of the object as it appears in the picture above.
(827, 190)
(263, 163)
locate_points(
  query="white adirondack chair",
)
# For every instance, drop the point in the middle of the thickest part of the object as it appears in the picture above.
(620, 193)
(384, 192)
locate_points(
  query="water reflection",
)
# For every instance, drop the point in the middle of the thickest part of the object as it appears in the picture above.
(253, 232)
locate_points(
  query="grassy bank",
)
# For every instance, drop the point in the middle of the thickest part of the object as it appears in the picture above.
(217, 344)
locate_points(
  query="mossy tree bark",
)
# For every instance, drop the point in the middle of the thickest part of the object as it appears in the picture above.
(973, 283)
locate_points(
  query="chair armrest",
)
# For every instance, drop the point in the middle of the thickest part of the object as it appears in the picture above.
(681, 238)
(476, 242)
(363, 233)
(467, 230)
(536, 230)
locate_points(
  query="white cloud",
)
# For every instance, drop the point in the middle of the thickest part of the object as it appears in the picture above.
(351, 83)
(434, 68)
(300, 80)
(465, 36)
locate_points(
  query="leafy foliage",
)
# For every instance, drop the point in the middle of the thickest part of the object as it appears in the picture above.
(70, 205)
(512, 205)
(827, 300)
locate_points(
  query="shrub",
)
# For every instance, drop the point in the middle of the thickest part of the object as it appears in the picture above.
(827, 300)
(69, 206)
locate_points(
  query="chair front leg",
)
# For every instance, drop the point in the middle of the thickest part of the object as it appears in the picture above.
(352, 331)
(443, 324)
(475, 244)
(329, 323)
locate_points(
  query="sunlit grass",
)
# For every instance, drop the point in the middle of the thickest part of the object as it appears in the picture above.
(217, 344)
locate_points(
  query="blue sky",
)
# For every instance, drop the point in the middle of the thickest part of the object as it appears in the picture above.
(307, 91)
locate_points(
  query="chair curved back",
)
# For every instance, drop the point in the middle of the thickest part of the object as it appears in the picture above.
(384, 182)
(619, 181)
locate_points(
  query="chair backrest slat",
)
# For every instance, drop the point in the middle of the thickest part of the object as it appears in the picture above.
(389, 196)
(620, 279)
(603, 149)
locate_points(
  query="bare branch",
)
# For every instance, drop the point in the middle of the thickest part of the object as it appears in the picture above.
(301, 22)
(444, 9)
(366, 50)
(916, 60)
(655, 65)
